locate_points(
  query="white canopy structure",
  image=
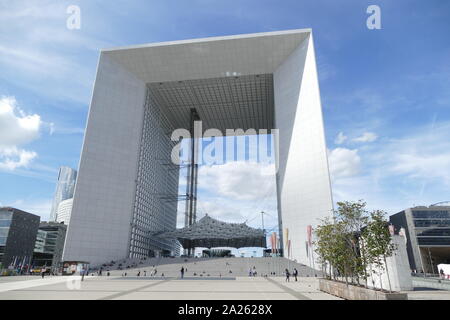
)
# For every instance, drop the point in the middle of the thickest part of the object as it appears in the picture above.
(209, 233)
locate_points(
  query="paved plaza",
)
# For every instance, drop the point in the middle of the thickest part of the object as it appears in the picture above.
(120, 288)
(111, 288)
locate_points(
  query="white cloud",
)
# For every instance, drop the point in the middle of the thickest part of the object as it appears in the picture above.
(236, 191)
(16, 128)
(366, 137)
(239, 180)
(398, 173)
(344, 163)
(424, 156)
(340, 139)
(42, 55)
(13, 158)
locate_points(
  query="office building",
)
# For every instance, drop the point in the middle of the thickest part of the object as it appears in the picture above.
(428, 235)
(49, 245)
(18, 231)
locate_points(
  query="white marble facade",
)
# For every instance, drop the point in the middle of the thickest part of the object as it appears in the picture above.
(104, 206)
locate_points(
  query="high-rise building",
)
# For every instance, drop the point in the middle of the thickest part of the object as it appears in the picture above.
(127, 185)
(64, 211)
(18, 231)
(65, 187)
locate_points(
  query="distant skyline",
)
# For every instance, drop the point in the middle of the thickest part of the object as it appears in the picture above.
(385, 94)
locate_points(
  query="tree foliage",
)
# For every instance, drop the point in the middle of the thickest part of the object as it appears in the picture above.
(352, 240)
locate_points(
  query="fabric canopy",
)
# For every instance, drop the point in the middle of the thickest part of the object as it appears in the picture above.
(209, 233)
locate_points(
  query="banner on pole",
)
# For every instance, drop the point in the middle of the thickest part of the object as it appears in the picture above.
(309, 234)
(275, 239)
(286, 238)
(289, 248)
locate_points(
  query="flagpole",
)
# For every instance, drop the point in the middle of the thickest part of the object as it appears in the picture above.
(312, 257)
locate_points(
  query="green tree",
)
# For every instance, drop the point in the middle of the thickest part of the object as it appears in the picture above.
(378, 242)
(354, 216)
(352, 241)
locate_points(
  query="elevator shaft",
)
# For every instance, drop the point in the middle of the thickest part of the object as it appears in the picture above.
(192, 174)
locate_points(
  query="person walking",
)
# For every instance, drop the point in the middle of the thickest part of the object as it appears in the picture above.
(287, 275)
(182, 272)
(43, 272)
(295, 274)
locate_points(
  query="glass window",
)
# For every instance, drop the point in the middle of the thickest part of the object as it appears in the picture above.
(437, 241)
(432, 223)
(4, 232)
(431, 214)
(437, 232)
(5, 223)
(2, 241)
(5, 215)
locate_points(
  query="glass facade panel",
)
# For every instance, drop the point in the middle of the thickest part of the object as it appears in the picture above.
(156, 182)
(5, 223)
(431, 214)
(437, 232)
(433, 241)
(5, 215)
(3, 241)
(418, 223)
(4, 232)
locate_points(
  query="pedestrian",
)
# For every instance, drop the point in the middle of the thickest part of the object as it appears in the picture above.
(250, 272)
(145, 273)
(182, 272)
(139, 273)
(43, 272)
(295, 273)
(287, 275)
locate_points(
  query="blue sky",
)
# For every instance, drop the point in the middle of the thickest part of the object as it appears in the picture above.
(385, 93)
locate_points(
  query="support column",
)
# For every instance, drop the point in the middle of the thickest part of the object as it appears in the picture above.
(191, 185)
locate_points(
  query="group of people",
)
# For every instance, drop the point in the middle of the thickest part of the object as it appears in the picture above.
(288, 274)
(252, 272)
(152, 273)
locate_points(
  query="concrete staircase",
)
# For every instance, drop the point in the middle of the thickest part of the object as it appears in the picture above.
(207, 267)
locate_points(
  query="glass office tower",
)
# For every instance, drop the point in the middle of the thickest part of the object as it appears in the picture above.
(65, 187)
